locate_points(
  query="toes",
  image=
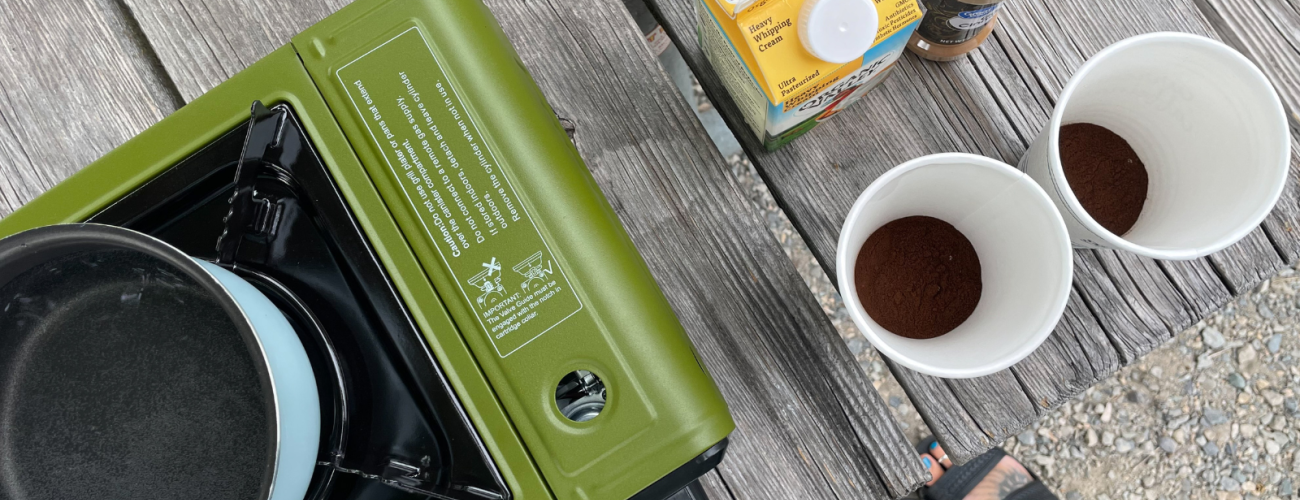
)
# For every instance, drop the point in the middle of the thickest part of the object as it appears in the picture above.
(931, 465)
(941, 457)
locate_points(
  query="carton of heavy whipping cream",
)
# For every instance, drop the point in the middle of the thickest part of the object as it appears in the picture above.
(790, 64)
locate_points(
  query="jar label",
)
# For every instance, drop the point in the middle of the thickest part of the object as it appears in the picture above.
(952, 22)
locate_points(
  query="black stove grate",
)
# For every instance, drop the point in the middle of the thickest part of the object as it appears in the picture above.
(391, 428)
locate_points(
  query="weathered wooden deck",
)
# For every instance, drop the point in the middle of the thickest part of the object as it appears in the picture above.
(994, 103)
(79, 77)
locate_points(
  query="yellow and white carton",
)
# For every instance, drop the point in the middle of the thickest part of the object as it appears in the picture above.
(791, 64)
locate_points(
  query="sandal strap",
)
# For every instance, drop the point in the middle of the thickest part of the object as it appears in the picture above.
(958, 481)
(1035, 490)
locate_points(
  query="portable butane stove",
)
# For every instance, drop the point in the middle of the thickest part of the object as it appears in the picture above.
(479, 324)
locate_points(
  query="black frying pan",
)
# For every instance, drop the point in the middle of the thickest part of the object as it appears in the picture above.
(129, 370)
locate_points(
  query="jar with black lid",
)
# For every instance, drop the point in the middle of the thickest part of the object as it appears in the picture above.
(951, 28)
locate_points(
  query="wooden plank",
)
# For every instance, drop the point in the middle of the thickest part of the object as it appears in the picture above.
(237, 34)
(1148, 290)
(1118, 309)
(716, 487)
(1268, 32)
(1045, 24)
(993, 103)
(1029, 26)
(1135, 273)
(1198, 284)
(1014, 410)
(809, 422)
(1283, 225)
(1079, 343)
(950, 422)
(1088, 29)
(997, 404)
(817, 177)
(75, 82)
(1249, 262)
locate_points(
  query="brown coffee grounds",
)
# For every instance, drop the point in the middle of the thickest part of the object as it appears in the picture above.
(918, 277)
(1105, 174)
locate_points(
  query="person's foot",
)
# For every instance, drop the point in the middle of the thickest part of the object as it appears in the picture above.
(1006, 477)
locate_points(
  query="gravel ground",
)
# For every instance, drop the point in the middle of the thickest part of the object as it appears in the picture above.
(1209, 415)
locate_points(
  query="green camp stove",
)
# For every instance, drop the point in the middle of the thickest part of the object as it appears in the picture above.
(479, 323)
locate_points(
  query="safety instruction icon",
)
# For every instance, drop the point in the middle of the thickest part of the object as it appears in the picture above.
(489, 282)
(533, 272)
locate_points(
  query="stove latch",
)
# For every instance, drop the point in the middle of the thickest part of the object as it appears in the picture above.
(262, 143)
(415, 478)
(266, 215)
(406, 475)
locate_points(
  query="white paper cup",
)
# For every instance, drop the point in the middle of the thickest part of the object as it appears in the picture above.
(1024, 252)
(1206, 123)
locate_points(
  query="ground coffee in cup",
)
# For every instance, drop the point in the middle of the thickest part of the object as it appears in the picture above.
(918, 277)
(1105, 174)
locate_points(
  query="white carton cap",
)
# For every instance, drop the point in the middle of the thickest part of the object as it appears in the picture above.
(736, 5)
(838, 31)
